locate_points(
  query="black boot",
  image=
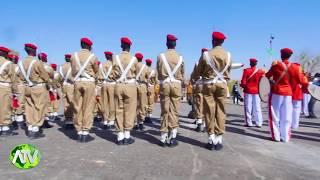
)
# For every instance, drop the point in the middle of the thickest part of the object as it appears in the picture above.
(79, 139)
(218, 146)
(141, 127)
(147, 120)
(173, 142)
(210, 146)
(68, 126)
(46, 124)
(86, 138)
(38, 135)
(8, 133)
(136, 127)
(127, 141)
(14, 125)
(200, 128)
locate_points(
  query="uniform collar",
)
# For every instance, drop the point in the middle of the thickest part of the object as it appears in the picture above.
(86, 50)
(286, 61)
(125, 52)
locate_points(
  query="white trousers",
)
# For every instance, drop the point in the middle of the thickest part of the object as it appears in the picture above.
(296, 105)
(280, 114)
(306, 100)
(252, 109)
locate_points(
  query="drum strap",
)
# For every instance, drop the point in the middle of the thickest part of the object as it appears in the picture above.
(254, 72)
(286, 68)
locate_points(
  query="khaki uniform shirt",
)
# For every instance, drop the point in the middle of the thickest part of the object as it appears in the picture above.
(38, 73)
(91, 69)
(143, 76)
(219, 56)
(105, 66)
(173, 58)
(125, 58)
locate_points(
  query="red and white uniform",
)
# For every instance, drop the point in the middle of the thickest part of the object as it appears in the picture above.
(306, 100)
(252, 103)
(280, 102)
(297, 82)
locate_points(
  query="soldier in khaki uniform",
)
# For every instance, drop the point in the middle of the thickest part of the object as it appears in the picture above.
(67, 90)
(56, 86)
(170, 68)
(107, 92)
(36, 92)
(124, 73)
(151, 81)
(7, 77)
(43, 57)
(198, 98)
(142, 78)
(84, 68)
(214, 68)
(19, 99)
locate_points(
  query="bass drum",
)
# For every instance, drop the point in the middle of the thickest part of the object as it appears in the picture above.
(264, 89)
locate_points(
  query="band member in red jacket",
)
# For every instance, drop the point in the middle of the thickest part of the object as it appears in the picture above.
(297, 82)
(280, 102)
(250, 82)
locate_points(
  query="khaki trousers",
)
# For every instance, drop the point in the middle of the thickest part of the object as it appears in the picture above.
(126, 105)
(170, 96)
(57, 102)
(68, 91)
(84, 101)
(142, 101)
(21, 100)
(98, 109)
(107, 98)
(198, 100)
(36, 105)
(214, 96)
(5, 110)
(150, 100)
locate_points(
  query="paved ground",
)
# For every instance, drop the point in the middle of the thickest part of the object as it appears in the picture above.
(248, 154)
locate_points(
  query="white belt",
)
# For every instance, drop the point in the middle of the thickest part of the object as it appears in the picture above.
(150, 85)
(213, 81)
(109, 83)
(130, 81)
(36, 84)
(84, 79)
(5, 84)
(168, 80)
(67, 84)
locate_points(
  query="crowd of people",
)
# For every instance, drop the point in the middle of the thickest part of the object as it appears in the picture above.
(121, 91)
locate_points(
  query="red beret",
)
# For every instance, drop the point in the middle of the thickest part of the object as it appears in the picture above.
(108, 53)
(67, 55)
(11, 56)
(171, 37)
(16, 57)
(43, 55)
(4, 49)
(54, 66)
(148, 61)
(139, 56)
(204, 50)
(218, 35)
(86, 41)
(30, 45)
(286, 51)
(253, 60)
(126, 40)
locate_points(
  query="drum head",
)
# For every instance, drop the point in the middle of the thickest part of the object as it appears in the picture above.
(264, 89)
(314, 91)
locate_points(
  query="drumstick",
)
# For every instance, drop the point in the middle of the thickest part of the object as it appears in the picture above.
(236, 65)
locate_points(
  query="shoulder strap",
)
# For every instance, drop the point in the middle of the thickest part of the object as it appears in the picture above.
(109, 71)
(151, 74)
(16, 70)
(27, 75)
(211, 64)
(102, 71)
(140, 71)
(167, 66)
(119, 63)
(125, 72)
(254, 72)
(286, 68)
(3, 66)
(83, 67)
(67, 75)
(61, 72)
(178, 65)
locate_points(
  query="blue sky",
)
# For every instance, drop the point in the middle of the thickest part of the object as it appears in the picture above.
(57, 26)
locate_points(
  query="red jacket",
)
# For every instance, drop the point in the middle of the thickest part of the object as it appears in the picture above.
(284, 86)
(250, 81)
(298, 81)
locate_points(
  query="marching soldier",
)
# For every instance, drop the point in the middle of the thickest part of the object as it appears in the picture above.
(142, 78)
(56, 86)
(84, 68)
(107, 92)
(214, 68)
(36, 93)
(124, 73)
(19, 99)
(7, 78)
(43, 57)
(280, 105)
(198, 98)
(151, 82)
(252, 103)
(170, 68)
(67, 90)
